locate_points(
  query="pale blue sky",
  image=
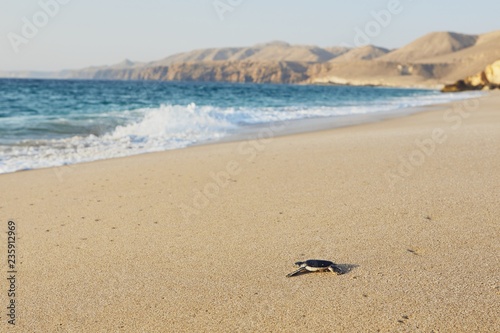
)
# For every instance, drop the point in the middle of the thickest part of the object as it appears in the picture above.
(97, 32)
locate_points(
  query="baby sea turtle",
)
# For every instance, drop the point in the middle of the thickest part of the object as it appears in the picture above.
(314, 265)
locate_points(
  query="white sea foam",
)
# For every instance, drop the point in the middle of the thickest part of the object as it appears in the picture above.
(156, 129)
(175, 126)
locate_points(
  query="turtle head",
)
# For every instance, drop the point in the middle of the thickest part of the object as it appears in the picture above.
(299, 263)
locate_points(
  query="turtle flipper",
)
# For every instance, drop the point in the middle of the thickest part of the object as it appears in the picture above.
(300, 270)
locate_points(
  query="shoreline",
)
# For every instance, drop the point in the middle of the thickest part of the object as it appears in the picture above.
(201, 239)
(319, 124)
(291, 127)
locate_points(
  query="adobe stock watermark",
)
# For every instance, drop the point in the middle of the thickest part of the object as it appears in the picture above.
(222, 7)
(425, 148)
(60, 171)
(373, 28)
(249, 149)
(31, 26)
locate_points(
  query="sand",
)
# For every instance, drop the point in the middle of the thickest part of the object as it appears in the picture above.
(131, 245)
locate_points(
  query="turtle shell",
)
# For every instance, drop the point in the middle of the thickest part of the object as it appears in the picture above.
(319, 263)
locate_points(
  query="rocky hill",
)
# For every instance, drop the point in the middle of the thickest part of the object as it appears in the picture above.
(368, 52)
(430, 61)
(274, 51)
(431, 45)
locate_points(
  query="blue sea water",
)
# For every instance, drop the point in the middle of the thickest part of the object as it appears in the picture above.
(47, 123)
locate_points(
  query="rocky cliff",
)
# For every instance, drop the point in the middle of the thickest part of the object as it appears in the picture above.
(234, 71)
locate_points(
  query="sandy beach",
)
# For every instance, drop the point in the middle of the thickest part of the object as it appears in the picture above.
(201, 239)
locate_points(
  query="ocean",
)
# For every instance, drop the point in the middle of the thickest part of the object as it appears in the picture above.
(46, 123)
